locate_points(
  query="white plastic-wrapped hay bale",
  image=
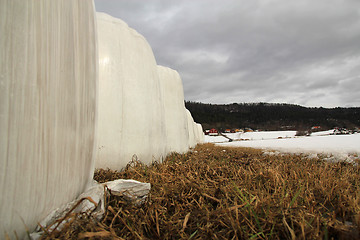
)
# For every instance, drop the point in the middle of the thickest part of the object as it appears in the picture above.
(175, 117)
(131, 111)
(48, 69)
(195, 131)
(200, 137)
(191, 131)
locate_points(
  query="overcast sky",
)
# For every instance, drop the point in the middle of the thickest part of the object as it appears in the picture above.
(304, 52)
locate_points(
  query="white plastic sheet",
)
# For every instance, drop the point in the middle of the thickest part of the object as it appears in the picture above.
(141, 105)
(48, 69)
(131, 117)
(177, 129)
(92, 202)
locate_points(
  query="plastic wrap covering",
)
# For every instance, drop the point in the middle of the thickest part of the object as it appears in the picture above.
(200, 137)
(191, 129)
(48, 69)
(141, 105)
(131, 110)
(175, 112)
(195, 131)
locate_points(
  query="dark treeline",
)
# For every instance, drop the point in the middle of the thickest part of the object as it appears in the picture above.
(266, 116)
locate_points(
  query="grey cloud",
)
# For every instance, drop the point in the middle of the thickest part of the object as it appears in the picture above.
(238, 51)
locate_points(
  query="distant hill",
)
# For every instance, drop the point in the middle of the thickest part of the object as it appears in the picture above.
(269, 116)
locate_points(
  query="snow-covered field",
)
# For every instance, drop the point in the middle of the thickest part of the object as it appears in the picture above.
(333, 147)
(251, 136)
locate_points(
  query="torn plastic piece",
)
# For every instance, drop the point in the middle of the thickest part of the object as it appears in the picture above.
(92, 202)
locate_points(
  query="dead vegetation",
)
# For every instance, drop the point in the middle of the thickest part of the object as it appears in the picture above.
(230, 193)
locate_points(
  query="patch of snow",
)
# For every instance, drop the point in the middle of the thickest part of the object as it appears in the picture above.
(322, 133)
(329, 147)
(215, 139)
(265, 135)
(233, 136)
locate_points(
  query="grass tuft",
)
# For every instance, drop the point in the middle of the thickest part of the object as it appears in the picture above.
(231, 193)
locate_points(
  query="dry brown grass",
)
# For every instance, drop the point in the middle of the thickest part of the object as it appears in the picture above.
(231, 193)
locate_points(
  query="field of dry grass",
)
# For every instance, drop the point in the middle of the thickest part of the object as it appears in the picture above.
(230, 193)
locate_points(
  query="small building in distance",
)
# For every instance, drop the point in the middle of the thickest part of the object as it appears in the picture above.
(248, 130)
(239, 130)
(315, 128)
(213, 132)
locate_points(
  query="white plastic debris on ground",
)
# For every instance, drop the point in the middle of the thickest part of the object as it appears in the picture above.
(92, 201)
